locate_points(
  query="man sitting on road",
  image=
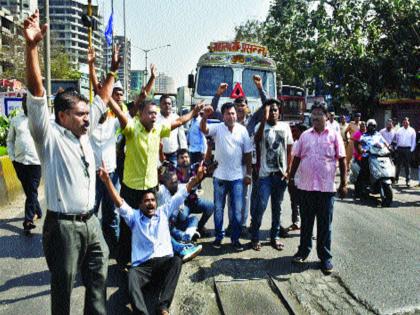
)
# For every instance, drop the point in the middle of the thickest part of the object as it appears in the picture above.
(152, 254)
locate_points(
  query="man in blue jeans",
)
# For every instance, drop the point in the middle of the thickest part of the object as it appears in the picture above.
(275, 141)
(233, 149)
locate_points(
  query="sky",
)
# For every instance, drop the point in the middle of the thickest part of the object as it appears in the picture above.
(188, 25)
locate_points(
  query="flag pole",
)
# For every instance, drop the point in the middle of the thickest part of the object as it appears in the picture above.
(90, 46)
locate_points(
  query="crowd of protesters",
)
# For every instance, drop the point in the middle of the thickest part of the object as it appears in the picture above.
(134, 167)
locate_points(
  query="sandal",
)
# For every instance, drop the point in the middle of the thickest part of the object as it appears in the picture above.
(293, 227)
(277, 244)
(256, 245)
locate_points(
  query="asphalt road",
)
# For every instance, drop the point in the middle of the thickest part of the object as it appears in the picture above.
(376, 255)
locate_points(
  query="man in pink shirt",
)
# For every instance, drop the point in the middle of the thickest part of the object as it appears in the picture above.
(314, 163)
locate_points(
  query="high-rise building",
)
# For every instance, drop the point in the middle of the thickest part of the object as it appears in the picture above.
(164, 84)
(20, 8)
(68, 31)
(137, 80)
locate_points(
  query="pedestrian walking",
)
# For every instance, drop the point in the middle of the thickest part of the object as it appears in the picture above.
(22, 152)
(405, 139)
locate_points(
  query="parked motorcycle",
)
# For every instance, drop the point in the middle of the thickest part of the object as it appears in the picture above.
(382, 172)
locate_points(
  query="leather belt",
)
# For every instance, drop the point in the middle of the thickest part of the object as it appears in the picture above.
(81, 217)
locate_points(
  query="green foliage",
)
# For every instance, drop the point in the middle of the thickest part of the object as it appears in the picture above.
(3, 150)
(361, 50)
(4, 126)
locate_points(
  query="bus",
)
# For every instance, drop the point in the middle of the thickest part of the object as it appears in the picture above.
(293, 102)
(234, 63)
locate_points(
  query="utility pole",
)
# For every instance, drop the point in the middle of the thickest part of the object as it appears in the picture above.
(125, 54)
(47, 52)
(90, 46)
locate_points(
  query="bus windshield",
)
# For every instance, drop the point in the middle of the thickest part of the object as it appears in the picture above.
(249, 86)
(209, 79)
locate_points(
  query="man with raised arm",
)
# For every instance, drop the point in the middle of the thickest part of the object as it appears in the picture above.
(143, 137)
(152, 256)
(72, 236)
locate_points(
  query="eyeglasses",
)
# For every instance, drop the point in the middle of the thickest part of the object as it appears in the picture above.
(85, 163)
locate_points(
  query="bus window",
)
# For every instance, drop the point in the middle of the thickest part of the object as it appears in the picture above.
(209, 79)
(249, 86)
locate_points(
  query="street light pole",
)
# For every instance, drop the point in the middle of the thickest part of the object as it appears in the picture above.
(146, 51)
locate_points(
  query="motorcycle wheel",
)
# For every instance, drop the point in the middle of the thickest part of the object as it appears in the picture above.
(386, 194)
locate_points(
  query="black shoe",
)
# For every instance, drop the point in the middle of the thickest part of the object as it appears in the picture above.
(298, 258)
(217, 244)
(284, 232)
(327, 267)
(237, 246)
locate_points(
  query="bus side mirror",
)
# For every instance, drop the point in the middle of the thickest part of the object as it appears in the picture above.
(191, 81)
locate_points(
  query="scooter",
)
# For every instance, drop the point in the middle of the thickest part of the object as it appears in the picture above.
(382, 172)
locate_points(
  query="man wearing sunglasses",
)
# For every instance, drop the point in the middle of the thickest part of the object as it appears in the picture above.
(72, 236)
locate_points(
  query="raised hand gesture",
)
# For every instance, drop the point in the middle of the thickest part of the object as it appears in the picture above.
(198, 108)
(91, 56)
(208, 111)
(222, 89)
(32, 31)
(153, 70)
(116, 58)
(258, 81)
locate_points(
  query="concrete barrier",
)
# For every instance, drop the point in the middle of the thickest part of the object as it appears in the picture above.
(10, 186)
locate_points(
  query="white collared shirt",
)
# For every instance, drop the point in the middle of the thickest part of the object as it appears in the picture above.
(406, 137)
(177, 139)
(389, 136)
(68, 164)
(104, 144)
(334, 126)
(20, 145)
(230, 149)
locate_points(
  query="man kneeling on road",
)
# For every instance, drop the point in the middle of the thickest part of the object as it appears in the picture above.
(152, 254)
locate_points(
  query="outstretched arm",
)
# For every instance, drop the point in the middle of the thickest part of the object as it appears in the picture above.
(115, 196)
(122, 117)
(187, 117)
(33, 33)
(208, 111)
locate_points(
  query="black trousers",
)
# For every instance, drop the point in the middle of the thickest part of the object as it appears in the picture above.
(132, 197)
(403, 160)
(162, 272)
(30, 176)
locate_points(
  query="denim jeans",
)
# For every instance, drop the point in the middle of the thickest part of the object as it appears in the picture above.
(320, 205)
(245, 205)
(234, 189)
(200, 205)
(182, 223)
(110, 219)
(275, 187)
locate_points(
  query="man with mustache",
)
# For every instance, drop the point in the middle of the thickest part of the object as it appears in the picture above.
(315, 158)
(72, 237)
(152, 256)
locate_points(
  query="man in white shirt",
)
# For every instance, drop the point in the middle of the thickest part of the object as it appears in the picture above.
(275, 141)
(332, 123)
(233, 149)
(405, 139)
(388, 132)
(22, 152)
(177, 139)
(72, 237)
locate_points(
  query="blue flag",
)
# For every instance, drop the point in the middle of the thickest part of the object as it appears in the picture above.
(109, 29)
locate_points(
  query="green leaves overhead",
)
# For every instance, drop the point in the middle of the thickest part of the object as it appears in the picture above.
(361, 49)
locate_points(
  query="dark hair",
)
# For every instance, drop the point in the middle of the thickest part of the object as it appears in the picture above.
(241, 100)
(130, 104)
(148, 191)
(143, 105)
(166, 176)
(227, 106)
(181, 152)
(66, 100)
(163, 97)
(272, 101)
(322, 106)
(116, 89)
